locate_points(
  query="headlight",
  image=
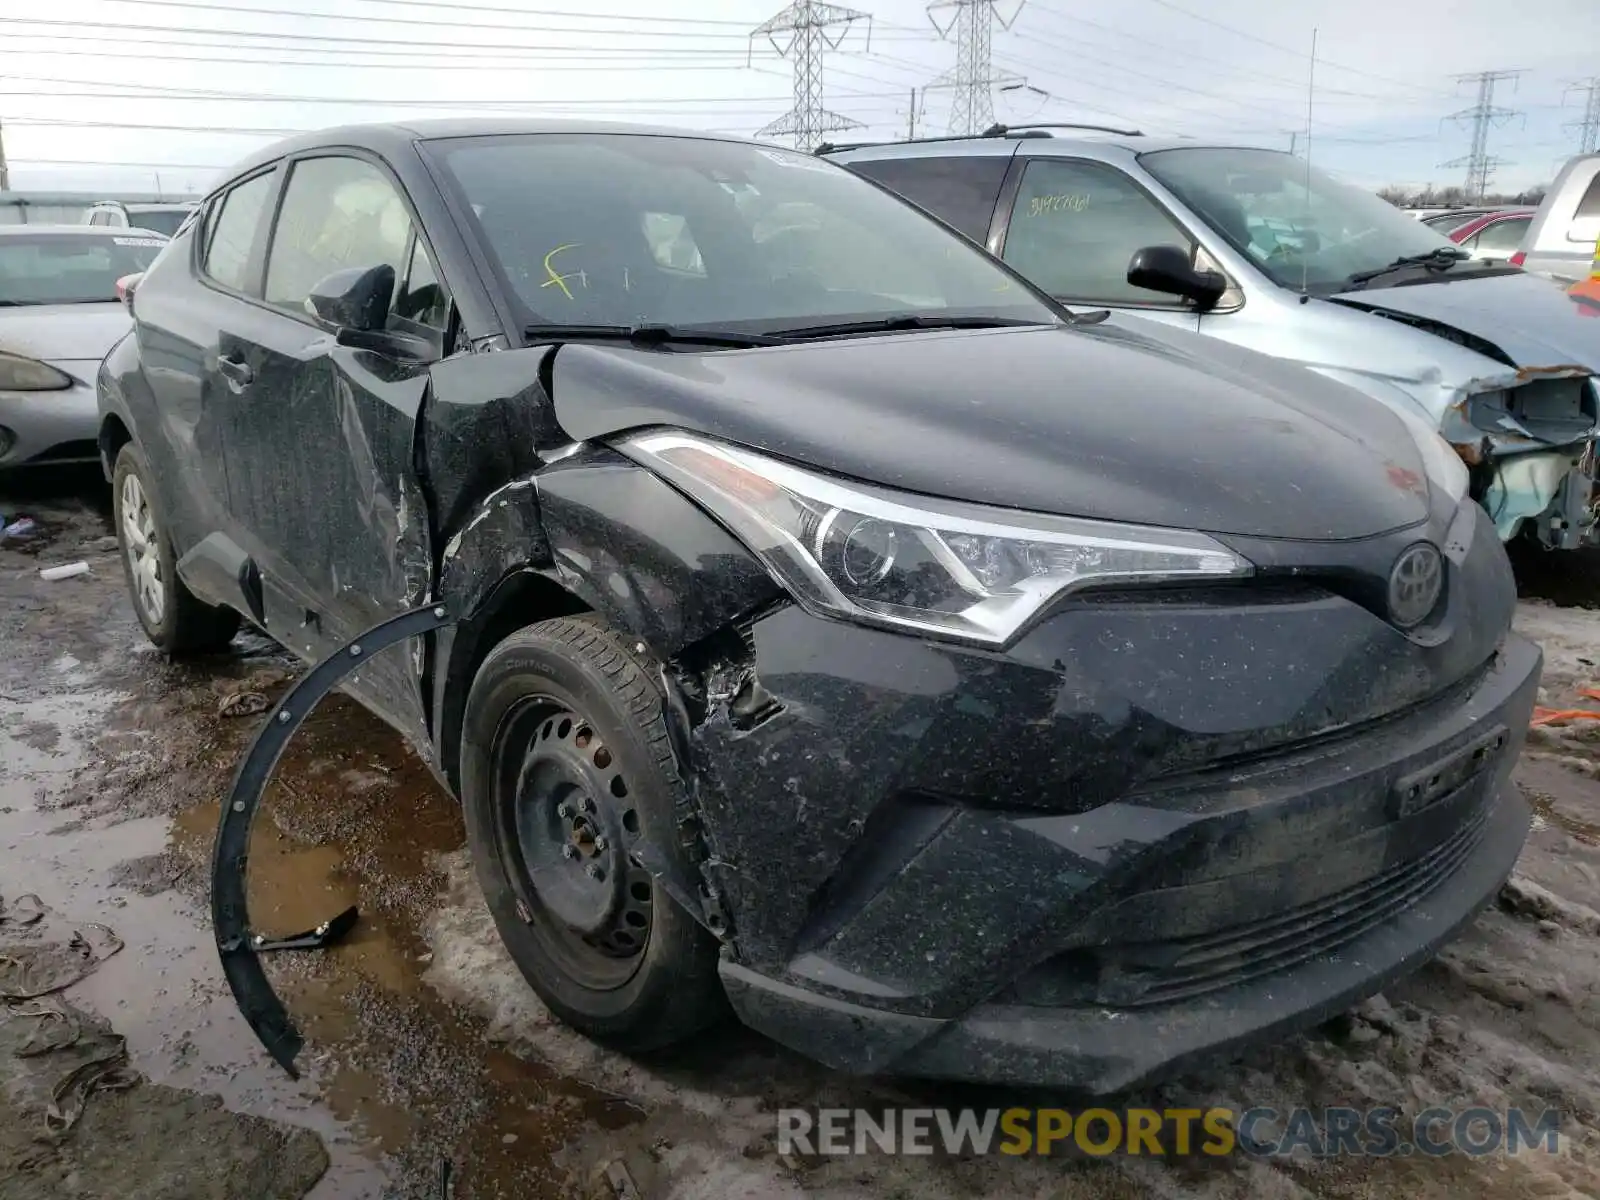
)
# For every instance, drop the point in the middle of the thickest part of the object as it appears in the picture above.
(18, 374)
(939, 567)
(1440, 462)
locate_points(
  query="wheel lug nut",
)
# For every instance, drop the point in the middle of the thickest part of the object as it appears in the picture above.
(569, 851)
(564, 810)
(600, 842)
(594, 872)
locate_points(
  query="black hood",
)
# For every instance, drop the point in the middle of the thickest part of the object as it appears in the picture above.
(1164, 428)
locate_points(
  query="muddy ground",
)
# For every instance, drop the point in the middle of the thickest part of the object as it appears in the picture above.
(426, 1054)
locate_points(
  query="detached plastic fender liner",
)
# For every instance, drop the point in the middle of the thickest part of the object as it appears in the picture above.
(238, 947)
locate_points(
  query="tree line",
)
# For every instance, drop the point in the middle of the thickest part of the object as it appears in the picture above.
(1442, 197)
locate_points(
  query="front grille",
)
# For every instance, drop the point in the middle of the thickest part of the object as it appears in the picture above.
(1154, 973)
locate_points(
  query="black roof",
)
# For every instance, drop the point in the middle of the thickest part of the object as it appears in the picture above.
(390, 137)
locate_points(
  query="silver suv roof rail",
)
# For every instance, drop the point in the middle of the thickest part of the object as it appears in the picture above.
(1040, 129)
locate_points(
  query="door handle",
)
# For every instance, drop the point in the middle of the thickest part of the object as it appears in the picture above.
(236, 371)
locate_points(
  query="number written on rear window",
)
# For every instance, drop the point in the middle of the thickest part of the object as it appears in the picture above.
(232, 231)
(1075, 226)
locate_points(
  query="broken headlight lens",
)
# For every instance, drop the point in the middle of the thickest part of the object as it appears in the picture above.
(18, 374)
(941, 567)
(1440, 462)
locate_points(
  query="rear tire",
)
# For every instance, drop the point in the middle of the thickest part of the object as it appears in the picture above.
(173, 618)
(565, 765)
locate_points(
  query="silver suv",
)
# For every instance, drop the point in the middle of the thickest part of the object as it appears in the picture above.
(1256, 248)
(1564, 240)
(164, 219)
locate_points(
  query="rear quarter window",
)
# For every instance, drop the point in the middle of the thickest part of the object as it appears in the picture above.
(1589, 203)
(962, 192)
(231, 231)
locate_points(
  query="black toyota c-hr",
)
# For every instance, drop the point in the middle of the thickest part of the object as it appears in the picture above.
(838, 628)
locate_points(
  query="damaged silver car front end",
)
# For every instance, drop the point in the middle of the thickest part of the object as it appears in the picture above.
(1528, 435)
(1507, 381)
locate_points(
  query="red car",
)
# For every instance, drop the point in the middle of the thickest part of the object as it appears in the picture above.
(1494, 235)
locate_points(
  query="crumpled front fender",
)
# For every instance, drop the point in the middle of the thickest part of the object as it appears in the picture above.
(601, 533)
(642, 554)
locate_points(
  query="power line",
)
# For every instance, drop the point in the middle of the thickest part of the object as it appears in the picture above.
(972, 80)
(1322, 62)
(87, 162)
(426, 53)
(151, 92)
(481, 65)
(521, 12)
(1478, 162)
(1104, 61)
(1188, 56)
(1587, 126)
(1063, 48)
(337, 40)
(65, 123)
(522, 26)
(808, 22)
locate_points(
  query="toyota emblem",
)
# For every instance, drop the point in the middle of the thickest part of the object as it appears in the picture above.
(1415, 584)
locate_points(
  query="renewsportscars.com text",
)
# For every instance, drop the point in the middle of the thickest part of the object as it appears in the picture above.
(1217, 1132)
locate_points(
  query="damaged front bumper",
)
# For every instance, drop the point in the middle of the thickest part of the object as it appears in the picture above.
(1155, 830)
(1528, 440)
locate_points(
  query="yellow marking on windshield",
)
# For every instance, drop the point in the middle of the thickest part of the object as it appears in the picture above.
(556, 278)
(1061, 202)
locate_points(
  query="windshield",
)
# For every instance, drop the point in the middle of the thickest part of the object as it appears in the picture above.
(162, 220)
(633, 229)
(71, 268)
(1260, 202)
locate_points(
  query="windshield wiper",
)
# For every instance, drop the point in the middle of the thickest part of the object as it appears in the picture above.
(649, 335)
(1439, 259)
(905, 321)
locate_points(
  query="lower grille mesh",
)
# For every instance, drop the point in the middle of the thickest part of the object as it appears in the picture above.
(1182, 969)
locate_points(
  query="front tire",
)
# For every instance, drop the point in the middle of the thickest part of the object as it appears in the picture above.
(173, 618)
(566, 766)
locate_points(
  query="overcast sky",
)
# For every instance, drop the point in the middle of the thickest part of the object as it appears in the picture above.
(109, 95)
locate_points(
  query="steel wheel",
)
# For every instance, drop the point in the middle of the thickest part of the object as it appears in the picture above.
(567, 773)
(568, 827)
(143, 550)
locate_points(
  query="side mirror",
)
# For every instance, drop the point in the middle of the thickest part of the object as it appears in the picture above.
(1168, 269)
(355, 300)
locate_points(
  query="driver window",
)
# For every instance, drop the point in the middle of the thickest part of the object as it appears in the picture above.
(337, 213)
(1074, 227)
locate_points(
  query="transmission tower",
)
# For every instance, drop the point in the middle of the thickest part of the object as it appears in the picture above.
(1588, 127)
(973, 79)
(812, 28)
(1483, 115)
